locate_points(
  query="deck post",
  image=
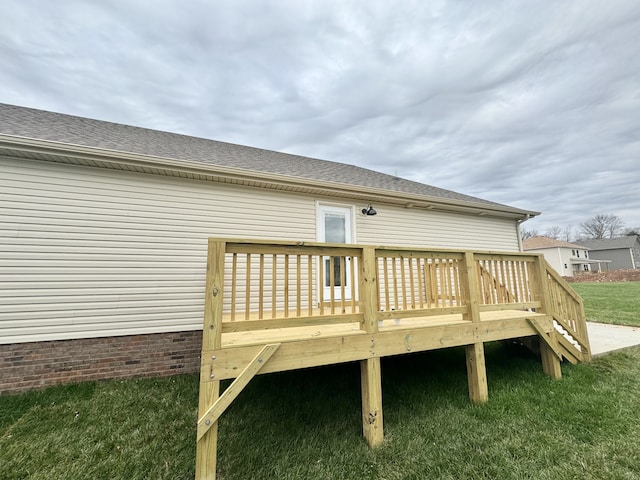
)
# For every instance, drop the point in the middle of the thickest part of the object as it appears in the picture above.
(371, 378)
(206, 447)
(550, 361)
(477, 373)
(476, 367)
(370, 369)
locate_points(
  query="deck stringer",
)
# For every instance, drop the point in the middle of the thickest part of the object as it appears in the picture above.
(549, 338)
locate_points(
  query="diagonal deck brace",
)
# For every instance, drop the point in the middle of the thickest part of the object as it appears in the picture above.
(212, 414)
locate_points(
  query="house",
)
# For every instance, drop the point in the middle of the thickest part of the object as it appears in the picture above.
(103, 235)
(568, 259)
(622, 252)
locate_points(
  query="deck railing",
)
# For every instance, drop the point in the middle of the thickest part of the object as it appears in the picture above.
(507, 279)
(276, 285)
(567, 309)
(419, 282)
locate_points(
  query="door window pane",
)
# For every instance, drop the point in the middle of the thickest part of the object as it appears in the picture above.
(336, 272)
(334, 232)
(334, 228)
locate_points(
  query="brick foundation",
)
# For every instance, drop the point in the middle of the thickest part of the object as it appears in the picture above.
(27, 366)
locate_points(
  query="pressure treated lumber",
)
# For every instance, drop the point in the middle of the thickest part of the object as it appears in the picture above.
(206, 446)
(477, 373)
(335, 346)
(548, 347)
(370, 371)
(372, 424)
(266, 310)
(210, 417)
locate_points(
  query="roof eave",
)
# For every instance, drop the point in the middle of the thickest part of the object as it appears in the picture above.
(268, 180)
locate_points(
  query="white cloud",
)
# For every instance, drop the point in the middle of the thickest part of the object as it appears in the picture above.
(529, 104)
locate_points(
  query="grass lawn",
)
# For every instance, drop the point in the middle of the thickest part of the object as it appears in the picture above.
(617, 302)
(306, 424)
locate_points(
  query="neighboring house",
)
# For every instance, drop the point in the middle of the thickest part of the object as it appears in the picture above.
(104, 227)
(568, 259)
(622, 253)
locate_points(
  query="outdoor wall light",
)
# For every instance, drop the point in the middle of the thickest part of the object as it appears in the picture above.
(369, 210)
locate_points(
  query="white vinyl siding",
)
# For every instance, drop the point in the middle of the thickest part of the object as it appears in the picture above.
(414, 227)
(87, 252)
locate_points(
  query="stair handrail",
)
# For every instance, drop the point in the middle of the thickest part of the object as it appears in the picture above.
(571, 305)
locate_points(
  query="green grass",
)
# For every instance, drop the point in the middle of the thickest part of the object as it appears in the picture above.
(617, 303)
(306, 424)
(118, 429)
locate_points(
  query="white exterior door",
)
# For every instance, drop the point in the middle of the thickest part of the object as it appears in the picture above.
(335, 226)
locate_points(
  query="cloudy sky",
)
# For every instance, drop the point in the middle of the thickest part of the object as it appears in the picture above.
(532, 104)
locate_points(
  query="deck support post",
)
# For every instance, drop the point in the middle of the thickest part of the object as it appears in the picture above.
(550, 360)
(206, 446)
(370, 371)
(371, 378)
(477, 373)
(476, 367)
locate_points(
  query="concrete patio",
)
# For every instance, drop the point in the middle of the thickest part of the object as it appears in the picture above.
(606, 338)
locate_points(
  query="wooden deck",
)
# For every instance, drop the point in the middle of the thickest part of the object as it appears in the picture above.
(328, 344)
(276, 306)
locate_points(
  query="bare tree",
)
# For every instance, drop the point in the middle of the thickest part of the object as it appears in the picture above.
(554, 232)
(525, 233)
(567, 234)
(602, 226)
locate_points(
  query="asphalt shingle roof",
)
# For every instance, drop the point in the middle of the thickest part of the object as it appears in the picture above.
(535, 243)
(79, 131)
(610, 243)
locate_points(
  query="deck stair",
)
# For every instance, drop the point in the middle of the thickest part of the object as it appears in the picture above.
(276, 306)
(565, 306)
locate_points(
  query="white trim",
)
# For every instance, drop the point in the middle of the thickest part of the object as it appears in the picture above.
(337, 208)
(347, 212)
